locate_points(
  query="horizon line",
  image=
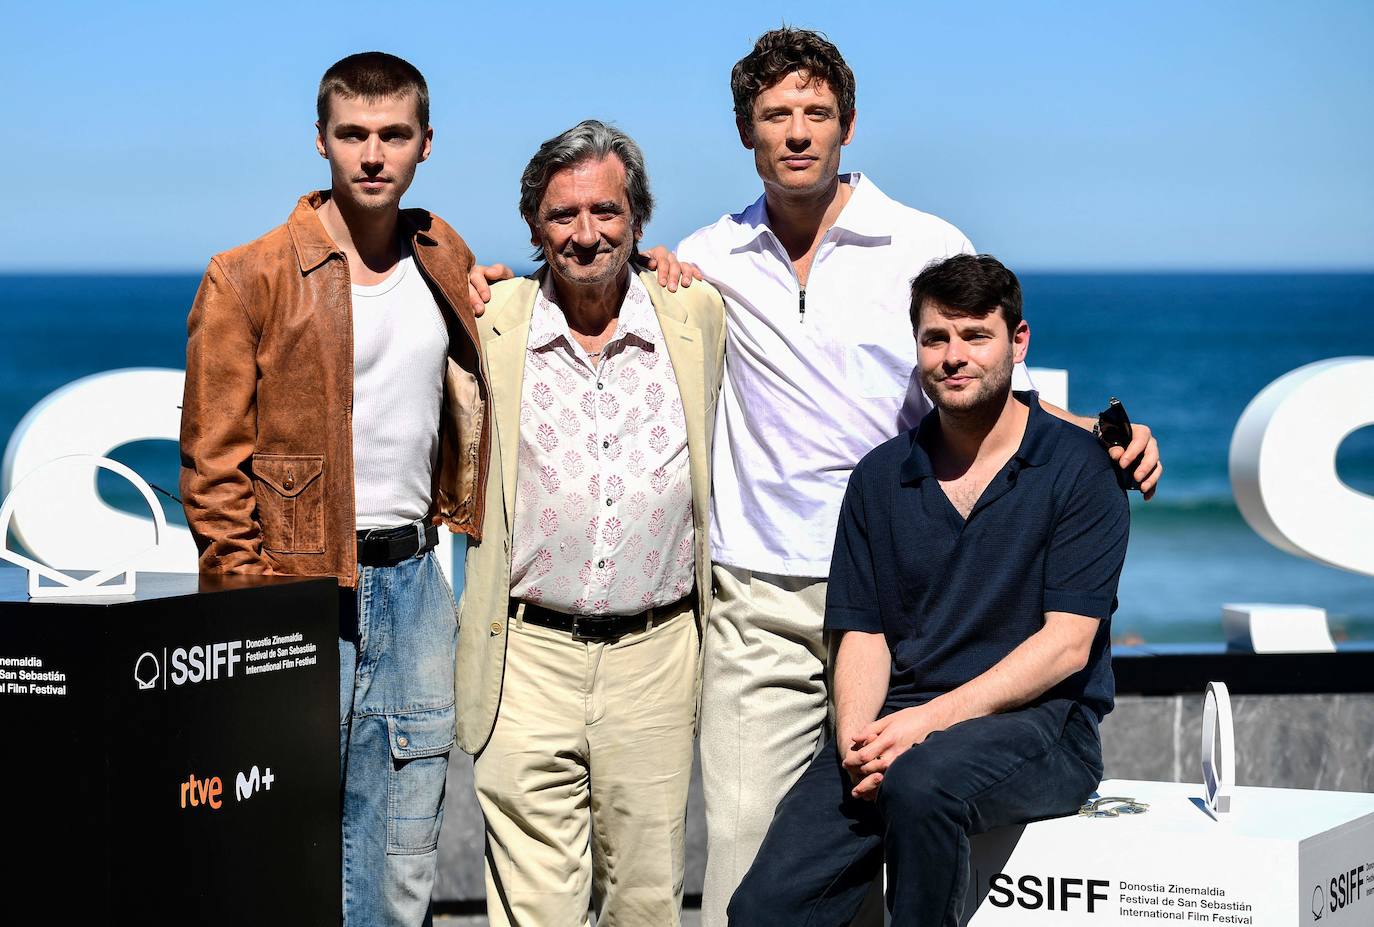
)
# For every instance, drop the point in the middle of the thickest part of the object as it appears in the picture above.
(1046, 270)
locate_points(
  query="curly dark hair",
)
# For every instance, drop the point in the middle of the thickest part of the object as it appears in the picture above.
(782, 51)
(968, 285)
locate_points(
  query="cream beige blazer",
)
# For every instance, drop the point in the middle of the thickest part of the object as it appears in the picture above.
(693, 322)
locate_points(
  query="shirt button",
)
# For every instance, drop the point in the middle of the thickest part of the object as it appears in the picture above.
(601, 386)
(402, 741)
(601, 564)
(608, 501)
(604, 445)
(496, 627)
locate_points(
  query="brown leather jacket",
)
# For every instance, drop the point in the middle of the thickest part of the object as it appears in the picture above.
(266, 421)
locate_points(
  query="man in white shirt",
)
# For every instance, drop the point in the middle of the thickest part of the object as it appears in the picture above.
(816, 279)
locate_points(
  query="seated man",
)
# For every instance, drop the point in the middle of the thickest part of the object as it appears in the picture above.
(972, 585)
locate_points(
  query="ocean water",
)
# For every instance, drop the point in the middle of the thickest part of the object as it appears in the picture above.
(1185, 353)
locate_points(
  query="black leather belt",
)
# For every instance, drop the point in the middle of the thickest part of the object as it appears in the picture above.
(599, 627)
(389, 546)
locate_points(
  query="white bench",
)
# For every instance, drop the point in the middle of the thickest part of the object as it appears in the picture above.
(1280, 857)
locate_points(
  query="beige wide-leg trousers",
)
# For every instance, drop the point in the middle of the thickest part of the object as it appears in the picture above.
(763, 712)
(583, 783)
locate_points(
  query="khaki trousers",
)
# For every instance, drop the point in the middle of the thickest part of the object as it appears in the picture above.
(583, 783)
(763, 712)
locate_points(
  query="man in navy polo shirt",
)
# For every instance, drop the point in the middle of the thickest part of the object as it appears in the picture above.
(971, 590)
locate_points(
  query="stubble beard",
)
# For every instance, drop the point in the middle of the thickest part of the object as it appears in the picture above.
(981, 409)
(567, 267)
(362, 203)
(387, 199)
(799, 185)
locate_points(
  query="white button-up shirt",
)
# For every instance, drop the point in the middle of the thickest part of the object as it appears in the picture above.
(603, 504)
(814, 379)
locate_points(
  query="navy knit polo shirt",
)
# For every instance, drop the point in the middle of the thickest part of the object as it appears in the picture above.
(952, 596)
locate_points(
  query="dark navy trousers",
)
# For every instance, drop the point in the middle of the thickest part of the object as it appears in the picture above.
(824, 847)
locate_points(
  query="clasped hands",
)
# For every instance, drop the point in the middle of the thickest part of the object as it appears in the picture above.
(867, 754)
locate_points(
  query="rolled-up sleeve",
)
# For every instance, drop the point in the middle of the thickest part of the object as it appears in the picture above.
(1088, 547)
(851, 600)
(219, 428)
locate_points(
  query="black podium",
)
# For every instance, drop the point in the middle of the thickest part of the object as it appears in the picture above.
(171, 757)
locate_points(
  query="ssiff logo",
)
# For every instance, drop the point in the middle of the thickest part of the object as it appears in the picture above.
(1052, 893)
(1344, 889)
(146, 671)
(200, 663)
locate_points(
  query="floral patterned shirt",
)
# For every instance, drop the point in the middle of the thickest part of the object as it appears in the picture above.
(603, 503)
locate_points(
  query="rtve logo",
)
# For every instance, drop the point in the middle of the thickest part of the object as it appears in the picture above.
(196, 792)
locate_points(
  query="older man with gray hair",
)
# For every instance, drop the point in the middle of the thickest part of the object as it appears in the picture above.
(579, 638)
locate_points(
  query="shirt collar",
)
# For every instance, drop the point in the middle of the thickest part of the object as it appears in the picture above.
(865, 216)
(549, 324)
(868, 213)
(1036, 449)
(313, 244)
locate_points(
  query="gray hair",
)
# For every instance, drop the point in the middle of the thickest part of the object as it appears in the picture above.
(590, 139)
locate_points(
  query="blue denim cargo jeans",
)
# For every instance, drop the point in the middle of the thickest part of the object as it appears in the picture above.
(397, 637)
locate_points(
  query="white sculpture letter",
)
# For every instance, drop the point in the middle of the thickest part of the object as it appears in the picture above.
(76, 529)
(97, 583)
(1283, 463)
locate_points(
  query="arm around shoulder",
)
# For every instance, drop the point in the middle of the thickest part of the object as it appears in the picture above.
(705, 303)
(219, 427)
(705, 309)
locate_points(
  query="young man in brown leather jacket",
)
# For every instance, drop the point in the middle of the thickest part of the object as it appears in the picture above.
(334, 418)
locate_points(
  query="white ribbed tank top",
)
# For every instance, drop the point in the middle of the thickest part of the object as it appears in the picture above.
(400, 346)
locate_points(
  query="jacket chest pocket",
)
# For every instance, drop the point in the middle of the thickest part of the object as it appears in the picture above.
(290, 498)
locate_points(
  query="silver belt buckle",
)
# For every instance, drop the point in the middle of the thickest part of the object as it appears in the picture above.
(587, 622)
(419, 537)
(577, 628)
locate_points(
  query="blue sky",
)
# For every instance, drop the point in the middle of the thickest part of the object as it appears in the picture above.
(1161, 135)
